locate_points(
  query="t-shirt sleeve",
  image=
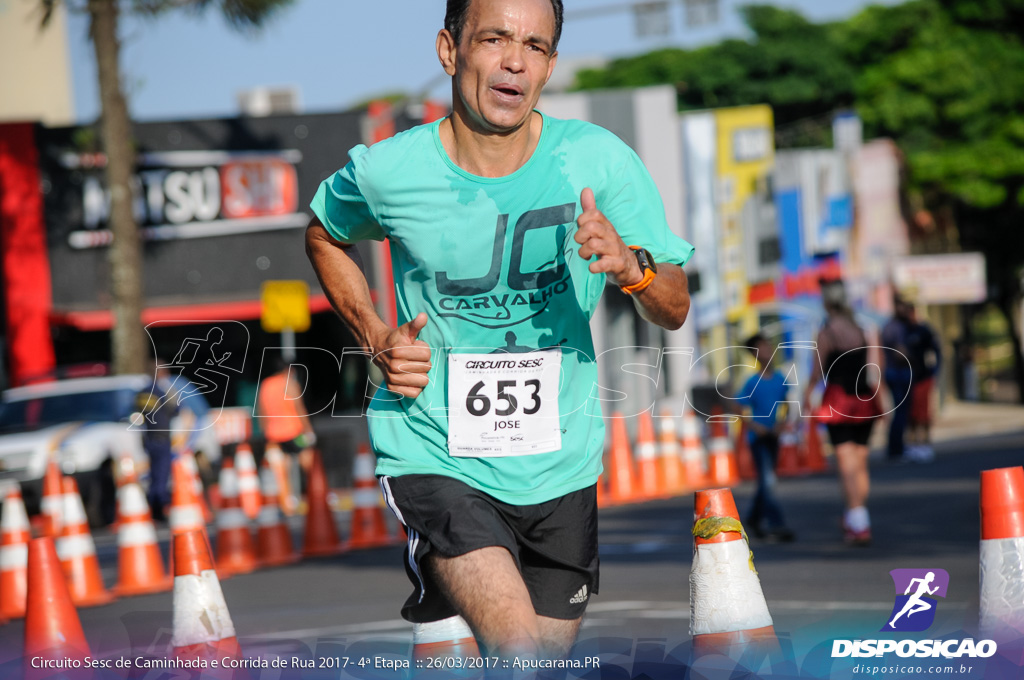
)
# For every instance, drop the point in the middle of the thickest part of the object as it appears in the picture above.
(342, 205)
(631, 202)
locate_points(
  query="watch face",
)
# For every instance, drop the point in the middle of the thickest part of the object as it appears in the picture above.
(646, 259)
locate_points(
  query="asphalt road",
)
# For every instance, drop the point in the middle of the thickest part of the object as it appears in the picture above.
(817, 589)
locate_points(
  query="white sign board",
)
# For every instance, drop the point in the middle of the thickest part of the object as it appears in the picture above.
(956, 278)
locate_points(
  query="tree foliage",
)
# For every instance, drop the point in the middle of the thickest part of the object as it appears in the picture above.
(129, 348)
(943, 78)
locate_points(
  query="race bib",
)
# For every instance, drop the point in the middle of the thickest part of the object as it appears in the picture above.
(504, 404)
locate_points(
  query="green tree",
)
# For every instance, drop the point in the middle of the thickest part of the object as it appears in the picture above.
(952, 97)
(128, 341)
(794, 65)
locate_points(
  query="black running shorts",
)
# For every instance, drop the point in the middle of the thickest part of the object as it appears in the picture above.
(843, 433)
(554, 544)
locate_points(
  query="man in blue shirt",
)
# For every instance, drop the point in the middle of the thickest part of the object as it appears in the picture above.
(765, 394)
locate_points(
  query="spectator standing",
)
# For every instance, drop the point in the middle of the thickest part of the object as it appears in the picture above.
(765, 394)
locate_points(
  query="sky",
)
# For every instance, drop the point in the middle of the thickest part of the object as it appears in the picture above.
(338, 53)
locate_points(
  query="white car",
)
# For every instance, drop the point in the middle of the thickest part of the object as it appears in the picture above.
(86, 424)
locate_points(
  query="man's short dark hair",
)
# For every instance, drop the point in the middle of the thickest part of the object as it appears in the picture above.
(458, 10)
(753, 341)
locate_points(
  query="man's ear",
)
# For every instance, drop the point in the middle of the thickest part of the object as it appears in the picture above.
(446, 51)
(551, 66)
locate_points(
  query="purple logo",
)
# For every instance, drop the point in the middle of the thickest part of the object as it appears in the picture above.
(916, 589)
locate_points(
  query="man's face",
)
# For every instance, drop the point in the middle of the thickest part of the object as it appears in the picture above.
(503, 61)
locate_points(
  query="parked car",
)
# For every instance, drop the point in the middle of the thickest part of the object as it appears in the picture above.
(86, 424)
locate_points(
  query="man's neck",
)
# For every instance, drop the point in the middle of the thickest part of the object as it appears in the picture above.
(489, 154)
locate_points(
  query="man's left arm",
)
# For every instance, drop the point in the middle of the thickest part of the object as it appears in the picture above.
(665, 302)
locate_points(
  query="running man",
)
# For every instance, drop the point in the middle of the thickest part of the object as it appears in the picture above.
(915, 604)
(499, 219)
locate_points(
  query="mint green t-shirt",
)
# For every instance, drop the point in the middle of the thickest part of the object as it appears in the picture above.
(493, 263)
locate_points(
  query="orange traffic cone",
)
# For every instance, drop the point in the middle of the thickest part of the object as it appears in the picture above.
(321, 537)
(188, 459)
(744, 457)
(789, 459)
(601, 494)
(722, 468)
(186, 511)
(273, 538)
(368, 527)
(672, 472)
(248, 481)
(814, 460)
(51, 507)
(53, 631)
(235, 551)
(202, 625)
(444, 639)
(647, 458)
(693, 454)
(288, 499)
(140, 568)
(621, 487)
(77, 552)
(1002, 552)
(727, 607)
(15, 534)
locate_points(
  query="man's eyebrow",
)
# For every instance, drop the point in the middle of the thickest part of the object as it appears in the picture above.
(506, 33)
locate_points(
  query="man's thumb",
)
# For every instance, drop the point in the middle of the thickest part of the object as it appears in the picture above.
(414, 327)
(587, 201)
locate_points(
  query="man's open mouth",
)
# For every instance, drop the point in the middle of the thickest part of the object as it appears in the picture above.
(507, 90)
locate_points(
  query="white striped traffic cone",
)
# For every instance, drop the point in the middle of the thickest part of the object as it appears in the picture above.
(692, 452)
(140, 567)
(202, 625)
(15, 534)
(235, 551)
(77, 552)
(447, 638)
(248, 481)
(368, 528)
(274, 545)
(1002, 556)
(727, 607)
(672, 473)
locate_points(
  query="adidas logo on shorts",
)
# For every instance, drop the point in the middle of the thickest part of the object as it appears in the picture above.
(580, 596)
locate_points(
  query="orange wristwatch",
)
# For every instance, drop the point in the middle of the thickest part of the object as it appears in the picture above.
(647, 267)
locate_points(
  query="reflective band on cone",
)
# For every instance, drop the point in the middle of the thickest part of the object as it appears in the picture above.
(727, 606)
(15, 534)
(1001, 607)
(78, 552)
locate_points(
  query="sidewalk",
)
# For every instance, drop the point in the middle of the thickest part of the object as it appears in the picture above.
(965, 419)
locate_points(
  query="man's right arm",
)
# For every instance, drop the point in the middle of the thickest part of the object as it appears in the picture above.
(404, 360)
